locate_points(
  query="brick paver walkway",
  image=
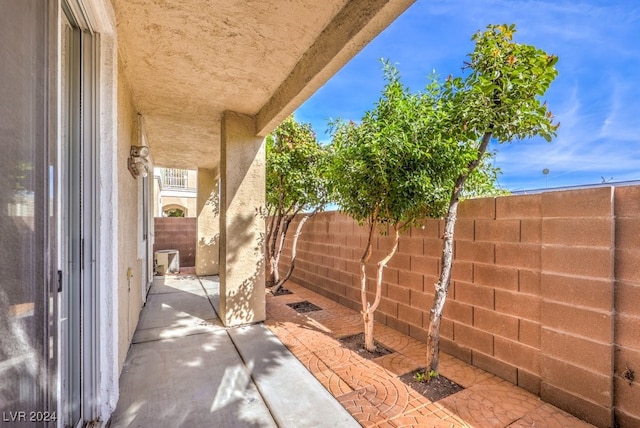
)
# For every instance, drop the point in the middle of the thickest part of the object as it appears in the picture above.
(370, 389)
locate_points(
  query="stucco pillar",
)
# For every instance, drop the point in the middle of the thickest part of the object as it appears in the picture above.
(242, 228)
(208, 212)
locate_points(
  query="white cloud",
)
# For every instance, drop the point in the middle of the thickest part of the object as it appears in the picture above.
(622, 122)
(596, 96)
(584, 150)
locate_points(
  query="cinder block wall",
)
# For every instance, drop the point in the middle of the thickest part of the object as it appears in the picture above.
(177, 233)
(576, 312)
(627, 305)
(532, 298)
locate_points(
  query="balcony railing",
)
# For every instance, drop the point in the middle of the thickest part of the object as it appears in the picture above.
(175, 178)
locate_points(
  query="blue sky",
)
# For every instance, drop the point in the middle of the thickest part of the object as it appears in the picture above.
(596, 95)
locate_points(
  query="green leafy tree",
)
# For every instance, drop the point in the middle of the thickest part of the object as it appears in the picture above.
(175, 212)
(395, 168)
(497, 100)
(295, 185)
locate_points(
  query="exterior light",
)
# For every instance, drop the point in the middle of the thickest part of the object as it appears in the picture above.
(138, 162)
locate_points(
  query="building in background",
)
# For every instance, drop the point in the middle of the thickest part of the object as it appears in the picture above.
(175, 192)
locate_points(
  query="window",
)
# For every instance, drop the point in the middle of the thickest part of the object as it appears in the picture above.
(175, 178)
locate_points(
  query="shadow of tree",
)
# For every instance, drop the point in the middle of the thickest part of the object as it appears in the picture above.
(208, 228)
(208, 261)
(244, 266)
(196, 379)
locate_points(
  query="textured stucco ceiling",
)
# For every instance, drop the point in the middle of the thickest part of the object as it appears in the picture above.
(188, 61)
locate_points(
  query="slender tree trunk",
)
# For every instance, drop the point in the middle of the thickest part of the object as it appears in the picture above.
(442, 286)
(271, 249)
(276, 258)
(367, 315)
(270, 226)
(369, 344)
(269, 234)
(294, 252)
(272, 236)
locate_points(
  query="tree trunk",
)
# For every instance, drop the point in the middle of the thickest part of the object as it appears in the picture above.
(271, 248)
(271, 221)
(276, 260)
(369, 345)
(368, 315)
(442, 286)
(294, 251)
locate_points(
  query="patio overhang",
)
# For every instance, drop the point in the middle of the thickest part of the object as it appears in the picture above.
(188, 62)
(211, 78)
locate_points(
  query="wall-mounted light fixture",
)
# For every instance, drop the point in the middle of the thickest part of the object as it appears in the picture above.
(138, 161)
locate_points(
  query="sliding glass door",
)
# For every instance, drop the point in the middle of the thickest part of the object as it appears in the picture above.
(71, 248)
(80, 191)
(28, 217)
(49, 341)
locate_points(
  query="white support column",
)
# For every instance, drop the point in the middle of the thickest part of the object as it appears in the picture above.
(242, 227)
(208, 212)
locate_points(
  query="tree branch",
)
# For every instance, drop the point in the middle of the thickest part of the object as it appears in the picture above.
(381, 265)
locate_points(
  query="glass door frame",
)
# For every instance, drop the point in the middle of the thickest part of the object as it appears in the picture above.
(80, 193)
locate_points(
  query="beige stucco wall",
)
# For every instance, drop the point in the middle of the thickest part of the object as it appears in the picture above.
(129, 289)
(157, 208)
(242, 229)
(189, 203)
(168, 198)
(192, 178)
(208, 233)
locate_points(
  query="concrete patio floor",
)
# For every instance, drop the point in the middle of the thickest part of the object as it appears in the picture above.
(185, 369)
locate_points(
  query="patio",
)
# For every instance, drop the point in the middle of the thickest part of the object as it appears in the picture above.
(184, 368)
